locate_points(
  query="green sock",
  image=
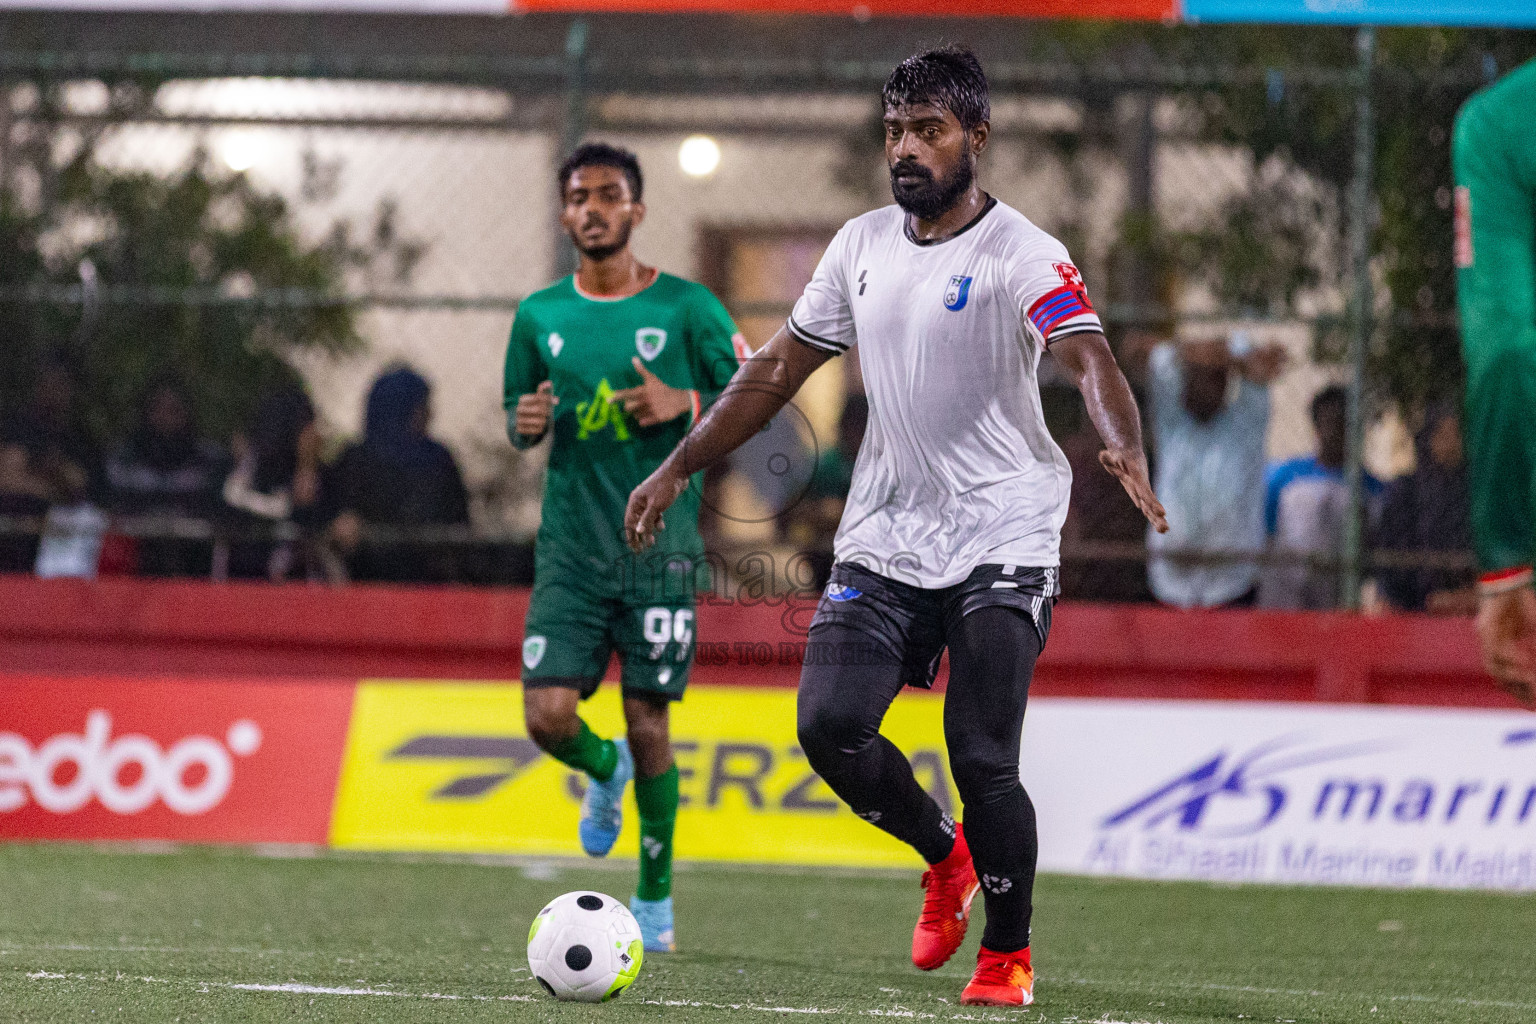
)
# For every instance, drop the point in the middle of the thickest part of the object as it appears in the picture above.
(588, 752)
(657, 798)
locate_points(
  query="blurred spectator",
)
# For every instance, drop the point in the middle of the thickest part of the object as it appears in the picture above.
(397, 476)
(1099, 513)
(1429, 510)
(73, 534)
(164, 472)
(1305, 505)
(1210, 415)
(46, 457)
(820, 512)
(51, 430)
(24, 496)
(834, 466)
(275, 482)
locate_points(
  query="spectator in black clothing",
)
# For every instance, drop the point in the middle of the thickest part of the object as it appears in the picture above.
(399, 477)
(46, 457)
(24, 500)
(1429, 510)
(50, 429)
(167, 472)
(273, 494)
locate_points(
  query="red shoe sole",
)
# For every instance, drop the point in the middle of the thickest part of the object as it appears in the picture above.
(934, 965)
(982, 1000)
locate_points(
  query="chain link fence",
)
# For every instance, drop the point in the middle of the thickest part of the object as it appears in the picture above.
(1210, 214)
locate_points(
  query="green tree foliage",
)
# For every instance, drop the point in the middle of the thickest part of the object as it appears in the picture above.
(129, 275)
(1285, 236)
(1422, 77)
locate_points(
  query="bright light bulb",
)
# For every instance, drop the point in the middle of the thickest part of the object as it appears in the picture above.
(698, 156)
(241, 150)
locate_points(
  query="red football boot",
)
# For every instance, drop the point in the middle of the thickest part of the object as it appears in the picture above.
(951, 886)
(1001, 979)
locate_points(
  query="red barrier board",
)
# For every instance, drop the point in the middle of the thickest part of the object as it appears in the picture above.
(1119, 10)
(195, 629)
(187, 760)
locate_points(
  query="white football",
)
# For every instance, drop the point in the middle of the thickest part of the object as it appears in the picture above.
(585, 946)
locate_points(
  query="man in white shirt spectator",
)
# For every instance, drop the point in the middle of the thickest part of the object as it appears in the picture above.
(1210, 412)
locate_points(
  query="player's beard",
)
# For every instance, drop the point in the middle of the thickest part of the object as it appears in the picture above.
(598, 253)
(932, 197)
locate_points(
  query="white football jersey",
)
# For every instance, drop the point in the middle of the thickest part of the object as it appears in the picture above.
(957, 468)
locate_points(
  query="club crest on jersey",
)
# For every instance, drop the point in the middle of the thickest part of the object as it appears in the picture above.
(958, 291)
(838, 592)
(556, 343)
(1070, 275)
(533, 651)
(650, 341)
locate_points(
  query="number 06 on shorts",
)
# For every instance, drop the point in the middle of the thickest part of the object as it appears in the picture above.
(570, 635)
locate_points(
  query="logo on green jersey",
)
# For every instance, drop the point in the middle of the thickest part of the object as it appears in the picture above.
(599, 413)
(533, 650)
(650, 341)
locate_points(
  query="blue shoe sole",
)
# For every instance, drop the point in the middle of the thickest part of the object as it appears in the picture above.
(597, 842)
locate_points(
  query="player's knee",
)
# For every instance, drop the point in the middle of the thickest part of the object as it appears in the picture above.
(650, 743)
(829, 735)
(548, 726)
(981, 776)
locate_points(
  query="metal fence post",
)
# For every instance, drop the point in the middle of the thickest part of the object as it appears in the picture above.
(1361, 302)
(573, 125)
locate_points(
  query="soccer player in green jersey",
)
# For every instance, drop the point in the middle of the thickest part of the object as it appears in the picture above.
(616, 362)
(1494, 151)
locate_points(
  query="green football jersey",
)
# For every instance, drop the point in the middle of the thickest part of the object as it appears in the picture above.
(1494, 152)
(585, 347)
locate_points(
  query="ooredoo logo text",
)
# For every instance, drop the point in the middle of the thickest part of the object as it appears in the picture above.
(127, 774)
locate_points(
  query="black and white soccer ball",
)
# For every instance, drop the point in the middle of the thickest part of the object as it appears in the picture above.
(585, 947)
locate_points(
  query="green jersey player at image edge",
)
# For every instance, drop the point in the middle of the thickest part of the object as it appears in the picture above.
(585, 347)
(1494, 151)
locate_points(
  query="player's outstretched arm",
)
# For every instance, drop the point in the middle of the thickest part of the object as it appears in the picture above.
(758, 390)
(1091, 365)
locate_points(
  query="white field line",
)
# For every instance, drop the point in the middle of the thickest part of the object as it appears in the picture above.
(74, 947)
(896, 1012)
(1213, 986)
(299, 988)
(351, 956)
(290, 987)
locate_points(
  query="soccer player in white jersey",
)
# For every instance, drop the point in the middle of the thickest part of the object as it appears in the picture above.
(951, 532)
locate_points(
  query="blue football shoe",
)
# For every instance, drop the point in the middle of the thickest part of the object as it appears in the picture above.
(655, 920)
(602, 809)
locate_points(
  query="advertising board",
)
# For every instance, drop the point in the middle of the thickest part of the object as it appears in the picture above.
(189, 760)
(1284, 793)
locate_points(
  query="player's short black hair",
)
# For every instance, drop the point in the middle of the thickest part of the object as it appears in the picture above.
(1333, 394)
(947, 76)
(601, 154)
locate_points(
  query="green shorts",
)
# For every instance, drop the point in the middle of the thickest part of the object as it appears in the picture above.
(571, 632)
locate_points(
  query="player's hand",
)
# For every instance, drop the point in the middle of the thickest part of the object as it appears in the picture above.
(1130, 468)
(1506, 626)
(642, 517)
(652, 402)
(533, 411)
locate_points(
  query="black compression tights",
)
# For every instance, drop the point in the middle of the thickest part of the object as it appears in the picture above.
(992, 654)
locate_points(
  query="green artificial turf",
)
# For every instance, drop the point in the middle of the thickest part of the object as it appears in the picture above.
(103, 934)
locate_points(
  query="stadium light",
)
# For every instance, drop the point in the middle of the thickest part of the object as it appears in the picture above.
(241, 150)
(698, 156)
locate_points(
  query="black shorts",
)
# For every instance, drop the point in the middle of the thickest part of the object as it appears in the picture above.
(910, 626)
